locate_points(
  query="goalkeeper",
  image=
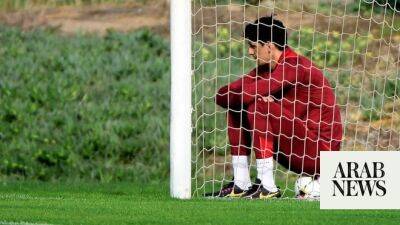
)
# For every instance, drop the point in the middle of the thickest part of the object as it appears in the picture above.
(284, 109)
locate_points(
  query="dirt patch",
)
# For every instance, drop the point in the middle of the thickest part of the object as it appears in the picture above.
(93, 19)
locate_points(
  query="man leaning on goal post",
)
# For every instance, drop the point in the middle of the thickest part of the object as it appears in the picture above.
(284, 109)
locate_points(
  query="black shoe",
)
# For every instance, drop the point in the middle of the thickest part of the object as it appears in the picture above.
(253, 189)
(263, 193)
(230, 190)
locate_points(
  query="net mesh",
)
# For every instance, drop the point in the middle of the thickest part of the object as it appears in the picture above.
(354, 43)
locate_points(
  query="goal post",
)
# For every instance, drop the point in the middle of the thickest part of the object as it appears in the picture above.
(180, 124)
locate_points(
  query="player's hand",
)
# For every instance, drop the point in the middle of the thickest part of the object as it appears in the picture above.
(266, 99)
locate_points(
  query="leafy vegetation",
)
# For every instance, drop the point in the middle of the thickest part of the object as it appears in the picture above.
(331, 49)
(84, 107)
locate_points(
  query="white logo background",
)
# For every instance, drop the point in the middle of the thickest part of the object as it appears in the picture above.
(329, 166)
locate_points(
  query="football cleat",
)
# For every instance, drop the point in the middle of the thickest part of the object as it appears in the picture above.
(236, 192)
(263, 193)
(230, 190)
(253, 189)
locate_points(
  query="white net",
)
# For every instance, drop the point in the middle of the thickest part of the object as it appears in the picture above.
(355, 43)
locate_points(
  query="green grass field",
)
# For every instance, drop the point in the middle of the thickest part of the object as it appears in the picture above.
(129, 203)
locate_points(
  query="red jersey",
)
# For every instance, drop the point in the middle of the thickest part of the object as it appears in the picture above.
(303, 89)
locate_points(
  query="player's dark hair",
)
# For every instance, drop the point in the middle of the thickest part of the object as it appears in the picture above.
(267, 29)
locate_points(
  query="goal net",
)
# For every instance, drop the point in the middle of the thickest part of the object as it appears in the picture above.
(355, 43)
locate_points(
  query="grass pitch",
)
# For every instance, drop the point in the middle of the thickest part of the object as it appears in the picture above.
(128, 203)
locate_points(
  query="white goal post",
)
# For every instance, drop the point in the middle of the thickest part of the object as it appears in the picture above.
(180, 126)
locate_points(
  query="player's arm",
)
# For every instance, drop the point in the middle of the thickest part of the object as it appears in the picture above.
(230, 96)
(284, 75)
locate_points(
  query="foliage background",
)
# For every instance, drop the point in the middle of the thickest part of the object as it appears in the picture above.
(84, 106)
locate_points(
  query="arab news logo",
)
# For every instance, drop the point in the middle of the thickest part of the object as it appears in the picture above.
(359, 179)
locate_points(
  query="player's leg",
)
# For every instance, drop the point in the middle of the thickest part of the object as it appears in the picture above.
(240, 143)
(263, 146)
(298, 146)
(238, 133)
(299, 155)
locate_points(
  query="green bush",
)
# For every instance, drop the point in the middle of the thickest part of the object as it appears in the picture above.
(84, 107)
